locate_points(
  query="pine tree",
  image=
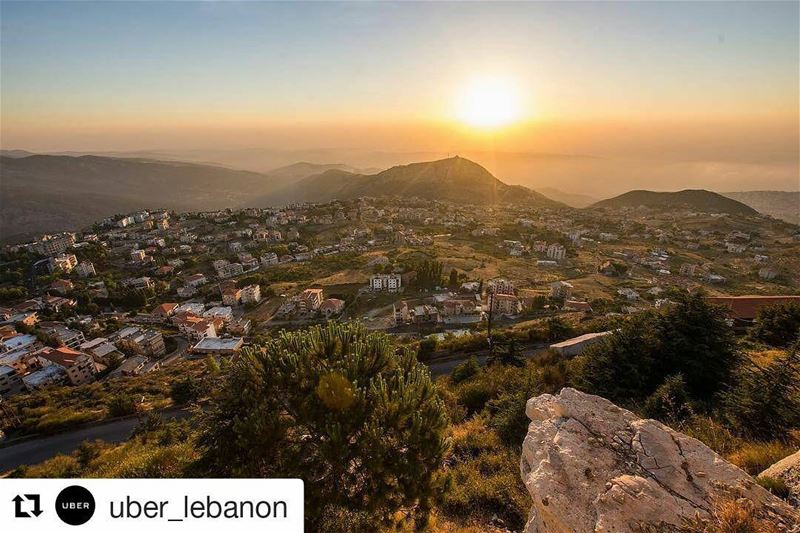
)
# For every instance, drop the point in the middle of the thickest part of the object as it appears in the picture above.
(765, 403)
(356, 418)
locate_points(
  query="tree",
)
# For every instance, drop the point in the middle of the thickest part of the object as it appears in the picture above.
(778, 325)
(464, 371)
(558, 329)
(690, 338)
(429, 274)
(765, 403)
(507, 354)
(453, 282)
(344, 409)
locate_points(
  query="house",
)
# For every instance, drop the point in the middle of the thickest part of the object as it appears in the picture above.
(556, 252)
(576, 345)
(223, 312)
(331, 307)
(85, 269)
(45, 377)
(251, 294)
(64, 262)
(270, 258)
(140, 341)
(628, 294)
(132, 366)
(231, 296)
(505, 304)
(218, 346)
(424, 314)
(196, 280)
(561, 289)
(62, 286)
(688, 270)
(310, 300)
(501, 286)
(768, 273)
(385, 282)
(165, 310)
(194, 327)
(65, 336)
(10, 382)
(79, 367)
(239, 326)
(575, 305)
(744, 309)
(101, 350)
(190, 308)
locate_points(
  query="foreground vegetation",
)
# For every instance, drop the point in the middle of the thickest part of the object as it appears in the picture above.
(341, 403)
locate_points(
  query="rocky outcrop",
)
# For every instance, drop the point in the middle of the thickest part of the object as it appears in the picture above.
(591, 466)
(788, 471)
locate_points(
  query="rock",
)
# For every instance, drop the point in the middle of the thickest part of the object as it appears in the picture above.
(787, 470)
(591, 466)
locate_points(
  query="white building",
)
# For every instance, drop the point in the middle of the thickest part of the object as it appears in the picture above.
(556, 251)
(385, 282)
(251, 294)
(85, 269)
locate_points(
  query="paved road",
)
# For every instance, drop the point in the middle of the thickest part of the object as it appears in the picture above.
(180, 350)
(442, 367)
(37, 450)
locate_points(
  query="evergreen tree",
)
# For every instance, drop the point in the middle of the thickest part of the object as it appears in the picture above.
(356, 418)
(778, 325)
(765, 403)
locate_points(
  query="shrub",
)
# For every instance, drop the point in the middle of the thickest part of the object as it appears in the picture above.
(121, 405)
(765, 403)
(775, 485)
(465, 370)
(184, 391)
(755, 457)
(670, 402)
(345, 409)
(777, 325)
(732, 516)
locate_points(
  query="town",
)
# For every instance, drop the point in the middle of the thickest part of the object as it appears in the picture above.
(136, 293)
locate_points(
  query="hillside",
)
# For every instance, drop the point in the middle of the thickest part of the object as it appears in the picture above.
(569, 198)
(49, 193)
(455, 179)
(784, 205)
(698, 199)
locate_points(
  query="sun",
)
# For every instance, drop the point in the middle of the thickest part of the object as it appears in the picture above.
(488, 102)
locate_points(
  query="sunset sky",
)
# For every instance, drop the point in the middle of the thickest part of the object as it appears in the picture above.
(712, 84)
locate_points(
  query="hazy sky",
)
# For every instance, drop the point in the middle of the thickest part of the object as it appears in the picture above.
(713, 83)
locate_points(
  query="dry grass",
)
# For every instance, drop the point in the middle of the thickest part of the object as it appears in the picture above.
(733, 516)
(754, 458)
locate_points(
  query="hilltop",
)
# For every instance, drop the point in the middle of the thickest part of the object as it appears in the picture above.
(699, 199)
(454, 179)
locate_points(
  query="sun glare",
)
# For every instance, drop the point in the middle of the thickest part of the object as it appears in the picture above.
(488, 103)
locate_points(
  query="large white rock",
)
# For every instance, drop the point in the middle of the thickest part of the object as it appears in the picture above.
(787, 470)
(591, 466)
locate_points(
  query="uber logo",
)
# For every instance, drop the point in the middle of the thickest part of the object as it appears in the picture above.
(75, 505)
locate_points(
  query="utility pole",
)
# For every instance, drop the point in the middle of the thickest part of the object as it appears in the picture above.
(489, 328)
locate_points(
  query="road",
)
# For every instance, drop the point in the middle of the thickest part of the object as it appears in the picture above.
(177, 353)
(37, 450)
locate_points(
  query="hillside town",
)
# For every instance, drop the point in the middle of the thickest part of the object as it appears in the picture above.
(137, 292)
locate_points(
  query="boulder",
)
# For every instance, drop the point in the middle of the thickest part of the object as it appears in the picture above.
(591, 466)
(787, 470)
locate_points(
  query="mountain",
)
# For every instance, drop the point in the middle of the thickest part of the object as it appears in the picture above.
(699, 199)
(301, 170)
(43, 193)
(784, 205)
(454, 179)
(569, 198)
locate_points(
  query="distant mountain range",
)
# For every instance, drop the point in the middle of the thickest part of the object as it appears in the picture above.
(42, 193)
(784, 205)
(699, 199)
